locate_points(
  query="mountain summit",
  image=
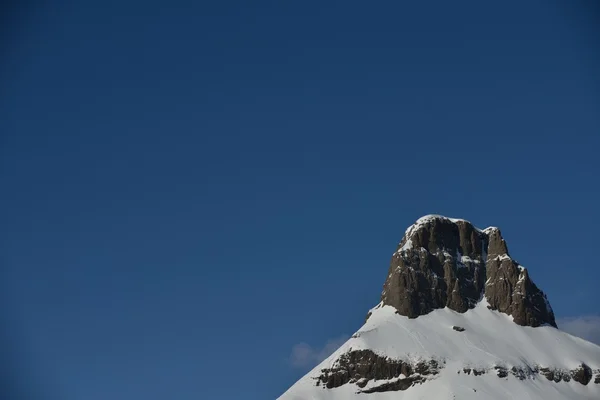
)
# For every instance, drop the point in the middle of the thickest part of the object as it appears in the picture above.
(458, 319)
(445, 262)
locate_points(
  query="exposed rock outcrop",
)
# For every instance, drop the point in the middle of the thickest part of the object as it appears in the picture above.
(395, 385)
(443, 262)
(362, 366)
(509, 288)
(476, 371)
(583, 374)
(438, 264)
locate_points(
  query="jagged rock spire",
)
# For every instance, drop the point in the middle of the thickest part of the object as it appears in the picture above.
(443, 262)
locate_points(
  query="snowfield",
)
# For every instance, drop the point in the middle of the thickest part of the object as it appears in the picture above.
(490, 339)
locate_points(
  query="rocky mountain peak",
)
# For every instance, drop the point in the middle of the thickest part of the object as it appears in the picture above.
(445, 262)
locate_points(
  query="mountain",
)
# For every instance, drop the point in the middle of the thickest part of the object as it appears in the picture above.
(459, 318)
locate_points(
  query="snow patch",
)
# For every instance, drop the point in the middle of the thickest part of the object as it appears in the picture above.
(432, 217)
(406, 246)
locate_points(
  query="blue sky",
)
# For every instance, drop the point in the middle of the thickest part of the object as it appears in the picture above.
(199, 200)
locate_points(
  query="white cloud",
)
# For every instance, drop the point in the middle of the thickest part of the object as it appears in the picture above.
(586, 327)
(304, 355)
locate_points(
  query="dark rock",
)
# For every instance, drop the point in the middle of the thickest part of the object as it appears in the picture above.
(496, 244)
(511, 291)
(583, 374)
(428, 270)
(521, 373)
(458, 328)
(426, 368)
(449, 263)
(548, 373)
(361, 366)
(501, 372)
(555, 375)
(398, 384)
(476, 371)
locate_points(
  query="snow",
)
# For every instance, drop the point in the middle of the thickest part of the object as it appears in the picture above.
(490, 229)
(490, 338)
(407, 245)
(461, 260)
(521, 274)
(431, 217)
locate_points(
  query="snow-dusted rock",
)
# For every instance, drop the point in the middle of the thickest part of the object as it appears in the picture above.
(446, 262)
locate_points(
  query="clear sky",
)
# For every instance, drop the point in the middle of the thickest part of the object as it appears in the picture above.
(192, 190)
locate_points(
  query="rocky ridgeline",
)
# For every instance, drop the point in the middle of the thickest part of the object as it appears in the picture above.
(582, 374)
(443, 262)
(363, 366)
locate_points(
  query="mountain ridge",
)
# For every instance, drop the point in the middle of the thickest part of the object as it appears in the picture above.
(457, 318)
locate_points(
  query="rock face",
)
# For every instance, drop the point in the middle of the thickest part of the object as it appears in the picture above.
(362, 366)
(583, 374)
(443, 262)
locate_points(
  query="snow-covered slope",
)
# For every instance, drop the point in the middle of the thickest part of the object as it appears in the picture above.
(490, 339)
(458, 319)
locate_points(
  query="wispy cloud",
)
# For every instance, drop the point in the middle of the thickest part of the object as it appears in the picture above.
(304, 355)
(586, 327)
